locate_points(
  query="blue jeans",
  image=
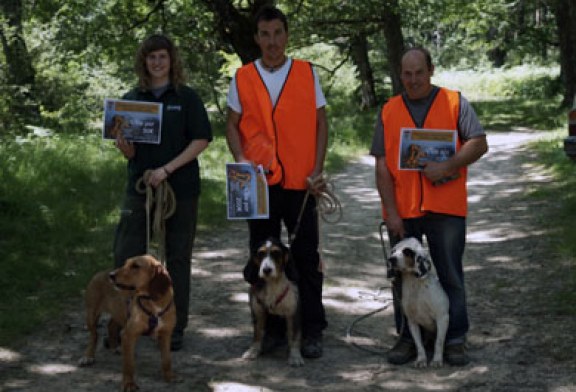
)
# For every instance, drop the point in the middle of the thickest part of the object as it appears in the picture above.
(446, 238)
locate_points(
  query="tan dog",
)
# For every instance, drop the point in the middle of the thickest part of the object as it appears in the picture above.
(119, 123)
(424, 301)
(139, 299)
(277, 296)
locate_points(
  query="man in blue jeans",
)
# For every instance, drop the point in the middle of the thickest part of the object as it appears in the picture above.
(431, 201)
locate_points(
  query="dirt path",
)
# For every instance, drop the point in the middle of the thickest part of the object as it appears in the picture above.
(516, 342)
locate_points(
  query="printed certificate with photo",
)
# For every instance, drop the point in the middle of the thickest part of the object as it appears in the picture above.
(246, 191)
(138, 121)
(418, 146)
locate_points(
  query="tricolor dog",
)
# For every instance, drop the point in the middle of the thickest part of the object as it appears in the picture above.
(277, 296)
(424, 302)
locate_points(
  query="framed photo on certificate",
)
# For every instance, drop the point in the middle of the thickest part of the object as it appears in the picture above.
(137, 121)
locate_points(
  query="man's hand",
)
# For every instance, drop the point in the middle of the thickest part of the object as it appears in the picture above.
(316, 183)
(438, 171)
(395, 225)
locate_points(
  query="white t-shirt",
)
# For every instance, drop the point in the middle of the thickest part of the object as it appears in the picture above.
(274, 81)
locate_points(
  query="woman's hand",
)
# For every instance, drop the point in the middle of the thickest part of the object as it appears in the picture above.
(157, 176)
(126, 148)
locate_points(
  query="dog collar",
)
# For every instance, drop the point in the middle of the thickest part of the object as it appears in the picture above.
(282, 295)
(152, 318)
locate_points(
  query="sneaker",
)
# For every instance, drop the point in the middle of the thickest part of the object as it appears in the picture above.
(403, 352)
(177, 341)
(312, 348)
(455, 355)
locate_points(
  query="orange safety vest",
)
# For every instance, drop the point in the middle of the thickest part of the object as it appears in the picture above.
(281, 138)
(415, 194)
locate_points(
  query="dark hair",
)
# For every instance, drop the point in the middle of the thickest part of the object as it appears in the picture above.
(422, 50)
(268, 13)
(151, 44)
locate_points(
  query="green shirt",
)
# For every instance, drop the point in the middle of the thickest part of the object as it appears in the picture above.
(184, 119)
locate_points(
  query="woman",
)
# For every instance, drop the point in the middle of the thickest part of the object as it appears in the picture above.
(185, 133)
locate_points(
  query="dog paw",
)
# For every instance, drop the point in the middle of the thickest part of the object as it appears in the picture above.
(86, 361)
(296, 360)
(436, 363)
(420, 363)
(251, 353)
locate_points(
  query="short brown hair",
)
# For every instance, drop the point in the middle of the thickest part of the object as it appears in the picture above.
(151, 44)
(424, 51)
(268, 13)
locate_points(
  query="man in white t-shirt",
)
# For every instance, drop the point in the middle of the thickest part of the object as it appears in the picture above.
(277, 119)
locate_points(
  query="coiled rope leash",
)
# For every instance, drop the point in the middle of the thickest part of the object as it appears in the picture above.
(327, 203)
(161, 203)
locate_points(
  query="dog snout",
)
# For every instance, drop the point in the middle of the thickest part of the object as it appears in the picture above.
(393, 261)
(112, 276)
(266, 271)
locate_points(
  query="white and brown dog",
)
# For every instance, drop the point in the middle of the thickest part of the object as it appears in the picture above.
(424, 302)
(277, 296)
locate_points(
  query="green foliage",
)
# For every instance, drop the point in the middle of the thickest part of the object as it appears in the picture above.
(212, 210)
(83, 51)
(58, 198)
(510, 98)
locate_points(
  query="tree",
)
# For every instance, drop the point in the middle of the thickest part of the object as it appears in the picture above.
(565, 11)
(20, 74)
(392, 26)
(359, 51)
(235, 26)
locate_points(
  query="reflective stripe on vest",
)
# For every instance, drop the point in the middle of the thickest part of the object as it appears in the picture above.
(415, 194)
(282, 138)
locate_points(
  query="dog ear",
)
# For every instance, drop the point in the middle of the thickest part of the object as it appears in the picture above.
(160, 282)
(408, 252)
(423, 265)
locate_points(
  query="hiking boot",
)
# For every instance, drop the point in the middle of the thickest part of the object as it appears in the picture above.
(455, 355)
(403, 352)
(312, 348)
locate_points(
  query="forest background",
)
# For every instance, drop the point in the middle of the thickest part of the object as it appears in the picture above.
(60, 184)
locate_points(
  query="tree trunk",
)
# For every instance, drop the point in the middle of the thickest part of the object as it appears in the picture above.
(359, 50)
(392, 26)
(565, 11)
(20, 76)
(235, 28)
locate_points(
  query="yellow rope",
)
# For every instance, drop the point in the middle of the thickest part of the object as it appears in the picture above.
(160, 205)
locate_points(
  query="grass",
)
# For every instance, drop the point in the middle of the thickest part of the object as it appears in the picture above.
(59, 196)
(57, 206)
(561, 219)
